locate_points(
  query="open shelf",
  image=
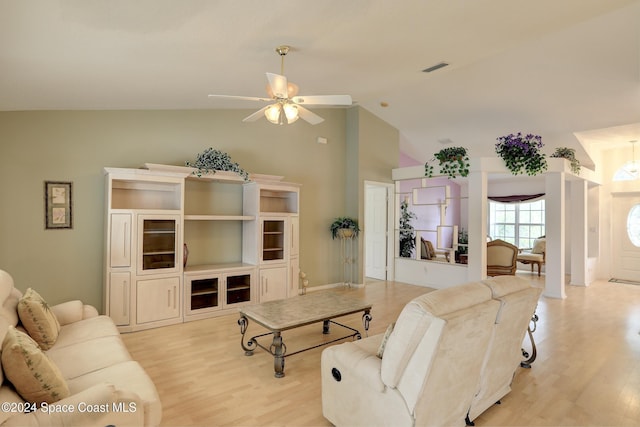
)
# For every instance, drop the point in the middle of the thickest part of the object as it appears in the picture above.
(219, 217)
(278, 201)
(216, 268)
(134, 194)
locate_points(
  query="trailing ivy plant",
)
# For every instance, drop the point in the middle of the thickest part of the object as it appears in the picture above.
(407, 232)
(453, 162)
(521, 153)
(569, 154)
(210, 161)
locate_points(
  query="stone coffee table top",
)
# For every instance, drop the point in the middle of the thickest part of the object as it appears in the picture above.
(302, 310)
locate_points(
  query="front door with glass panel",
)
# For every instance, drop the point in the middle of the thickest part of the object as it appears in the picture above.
(626, 238)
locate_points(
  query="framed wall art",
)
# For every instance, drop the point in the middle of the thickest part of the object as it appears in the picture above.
(58, 205)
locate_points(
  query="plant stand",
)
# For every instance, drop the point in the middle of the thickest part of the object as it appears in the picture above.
(347, 252)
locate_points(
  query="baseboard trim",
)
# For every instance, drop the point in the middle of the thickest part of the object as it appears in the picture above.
(330, 286)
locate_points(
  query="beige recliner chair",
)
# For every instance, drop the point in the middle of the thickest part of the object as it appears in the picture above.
(430, 367)
(518, 301)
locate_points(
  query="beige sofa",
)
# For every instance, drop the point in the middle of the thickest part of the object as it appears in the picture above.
(451, 354)
(101, 385)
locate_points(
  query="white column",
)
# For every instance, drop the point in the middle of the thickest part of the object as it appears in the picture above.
(579, 232)
(554, 226)
(477, 222)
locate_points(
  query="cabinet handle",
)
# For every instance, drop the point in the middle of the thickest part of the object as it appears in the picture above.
(168, 297)
(125, 300)
(175, 293)
(124, 240)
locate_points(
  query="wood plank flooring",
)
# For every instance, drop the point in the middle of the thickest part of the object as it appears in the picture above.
(587, 371)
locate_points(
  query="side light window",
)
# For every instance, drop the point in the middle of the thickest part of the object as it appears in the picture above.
(633, 225)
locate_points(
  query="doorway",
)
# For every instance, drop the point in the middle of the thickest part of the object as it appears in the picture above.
(378, 230)
(626, 237)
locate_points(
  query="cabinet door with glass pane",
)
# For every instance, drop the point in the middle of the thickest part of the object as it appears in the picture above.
(202, 292)
(158, 243)
(238, 287)
(273, 240)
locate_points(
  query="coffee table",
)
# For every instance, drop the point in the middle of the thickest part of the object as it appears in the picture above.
(302, 310)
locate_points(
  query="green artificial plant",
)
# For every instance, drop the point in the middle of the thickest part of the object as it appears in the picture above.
(453, 162)
(407, 232)
(344, 223)
(569, 154)
(211, 160)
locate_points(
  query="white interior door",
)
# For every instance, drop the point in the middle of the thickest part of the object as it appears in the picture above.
(626, 238)
(375, 232)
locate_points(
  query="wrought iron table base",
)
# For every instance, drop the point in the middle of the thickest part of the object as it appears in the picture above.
(534, 352)
(279, 350)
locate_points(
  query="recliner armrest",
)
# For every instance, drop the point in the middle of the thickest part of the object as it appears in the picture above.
(352, 360)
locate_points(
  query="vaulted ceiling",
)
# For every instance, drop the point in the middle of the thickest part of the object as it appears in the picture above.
(550, 67)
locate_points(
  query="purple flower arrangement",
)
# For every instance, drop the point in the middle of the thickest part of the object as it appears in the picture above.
(521, 153)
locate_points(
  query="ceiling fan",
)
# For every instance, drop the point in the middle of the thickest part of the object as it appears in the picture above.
(286, 103)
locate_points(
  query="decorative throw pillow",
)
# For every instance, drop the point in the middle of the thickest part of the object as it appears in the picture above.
(539, 246)
(36, 378)
(38, 319)
(424, 251)
(385, 338)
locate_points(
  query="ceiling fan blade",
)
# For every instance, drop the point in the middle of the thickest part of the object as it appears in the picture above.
(242, 98)
(255, 116)
(323, 99)
(308, 116)
(278, 85)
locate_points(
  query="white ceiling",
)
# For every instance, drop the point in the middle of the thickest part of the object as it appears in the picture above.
(550, 67)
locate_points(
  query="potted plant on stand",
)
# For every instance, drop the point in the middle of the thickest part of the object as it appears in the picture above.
(344, 227)
(347, 230)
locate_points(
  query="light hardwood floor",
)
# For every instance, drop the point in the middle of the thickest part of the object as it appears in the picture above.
(587, 371)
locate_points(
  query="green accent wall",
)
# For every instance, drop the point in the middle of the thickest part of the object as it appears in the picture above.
(36, 146)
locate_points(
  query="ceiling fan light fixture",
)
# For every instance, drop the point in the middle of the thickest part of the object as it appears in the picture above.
(292, 90)
(291, 112)
(272, 113)
(284, 99)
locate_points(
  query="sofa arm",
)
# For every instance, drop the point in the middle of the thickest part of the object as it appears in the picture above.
(99, 405)
(73, 311)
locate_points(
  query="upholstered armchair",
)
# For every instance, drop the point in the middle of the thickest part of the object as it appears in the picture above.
(535, 255)
(428, 252)
(501, 258)
(424, 371)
